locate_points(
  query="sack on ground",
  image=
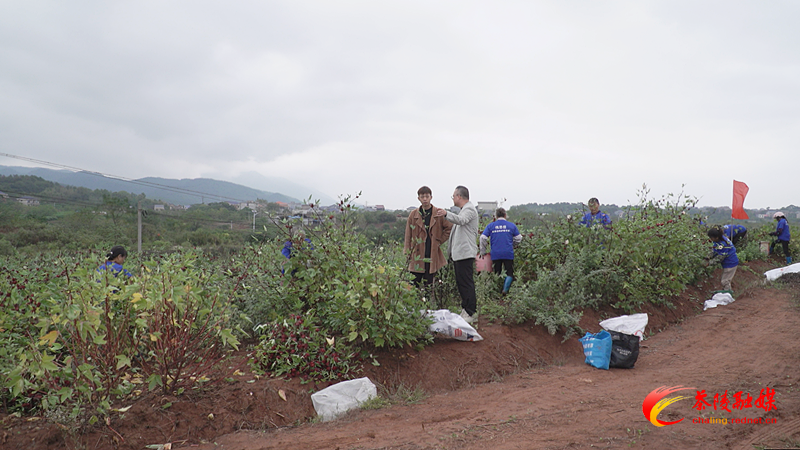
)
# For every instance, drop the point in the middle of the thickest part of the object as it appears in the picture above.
(452, 325)
(774, 274)
(339, 398)
(597, 349)
(720, 298)
(624, 350)
(633, 324)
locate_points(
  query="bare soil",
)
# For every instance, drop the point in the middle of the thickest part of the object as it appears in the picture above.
(519, 388)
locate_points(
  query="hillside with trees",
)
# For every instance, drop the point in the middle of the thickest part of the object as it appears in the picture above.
(74, 218)
(178, 192)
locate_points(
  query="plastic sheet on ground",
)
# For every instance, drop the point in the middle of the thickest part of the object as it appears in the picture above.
(452, 325)
(720, 298)
(774, 274)
(337, 399)
(632, 324)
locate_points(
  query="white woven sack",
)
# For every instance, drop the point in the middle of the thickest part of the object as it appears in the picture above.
(633, 324)
(720, 298)
(452, 325)
(337, 399)
(774, 274)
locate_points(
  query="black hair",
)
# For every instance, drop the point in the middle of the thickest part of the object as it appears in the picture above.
(424, 190)
(715, 233)
(463, 192)
(500, 212)
(116, 251)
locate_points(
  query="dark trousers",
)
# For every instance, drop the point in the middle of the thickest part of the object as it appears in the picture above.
(499, 264)
(784, 244)
(466, 285)
(426, 276)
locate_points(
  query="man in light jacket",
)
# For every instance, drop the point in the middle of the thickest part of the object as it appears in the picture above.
(463, 247)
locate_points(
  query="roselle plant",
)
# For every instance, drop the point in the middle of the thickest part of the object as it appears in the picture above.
(183, 322)
(646, 256)
(297, 347)
(356, 290)
(81, 336)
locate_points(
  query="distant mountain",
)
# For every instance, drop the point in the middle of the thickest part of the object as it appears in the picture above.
(202, 187)
(288, 187)
(178, 192)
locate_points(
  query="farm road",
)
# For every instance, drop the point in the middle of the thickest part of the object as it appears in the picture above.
(744, 347)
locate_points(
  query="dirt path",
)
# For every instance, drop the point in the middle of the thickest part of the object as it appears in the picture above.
(746, 346)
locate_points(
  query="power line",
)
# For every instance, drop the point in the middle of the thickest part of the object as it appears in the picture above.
(124, 179)
(197, 219)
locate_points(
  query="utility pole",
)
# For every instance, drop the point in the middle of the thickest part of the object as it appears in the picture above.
(139, 215)
(254, 220)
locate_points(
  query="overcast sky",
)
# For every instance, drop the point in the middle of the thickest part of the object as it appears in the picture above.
(529, 101)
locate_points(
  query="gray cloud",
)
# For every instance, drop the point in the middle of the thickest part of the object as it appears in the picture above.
(530, 101)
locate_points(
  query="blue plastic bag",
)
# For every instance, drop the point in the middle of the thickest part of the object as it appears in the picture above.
(597, 348)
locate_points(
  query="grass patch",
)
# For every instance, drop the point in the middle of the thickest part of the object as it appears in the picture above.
(399, 395)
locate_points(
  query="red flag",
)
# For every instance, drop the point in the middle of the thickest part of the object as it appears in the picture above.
(739, 193)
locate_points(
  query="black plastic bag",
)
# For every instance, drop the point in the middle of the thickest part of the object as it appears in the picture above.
(624, 350)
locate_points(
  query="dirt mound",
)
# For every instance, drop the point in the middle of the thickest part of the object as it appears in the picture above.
(790, 278)
(518, 387)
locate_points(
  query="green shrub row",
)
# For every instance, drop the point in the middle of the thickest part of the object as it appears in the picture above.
(72, 337)
(76, 340)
